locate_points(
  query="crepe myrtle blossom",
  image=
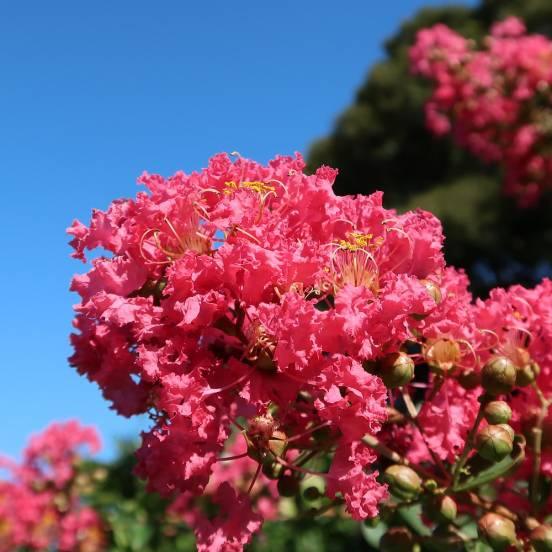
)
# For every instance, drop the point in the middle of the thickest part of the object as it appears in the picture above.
(495, 99)
(240, 302)
(40, 503)
(275, 332)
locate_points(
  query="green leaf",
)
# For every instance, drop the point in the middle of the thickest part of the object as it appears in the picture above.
(372, 535)
(411, 515)
(496, 470)
(478, 546)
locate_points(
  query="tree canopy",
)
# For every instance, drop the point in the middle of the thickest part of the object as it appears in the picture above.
(381, 142)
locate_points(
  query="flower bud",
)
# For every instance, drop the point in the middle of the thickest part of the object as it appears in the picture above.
(541, 538)
(433, 290)
(497, 531)
(509, 429)
(527, 374)
(442, 355)
(397, 539)
(397, 369)
(494, 443)
(442, 509)
(431, 485)
(288, 485)
(277, 444)
(497, 412)
(498, 376)
(403, 481)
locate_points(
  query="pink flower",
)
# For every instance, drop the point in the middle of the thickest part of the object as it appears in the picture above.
(40, 507)
(490, 98)
(232, 528)
(348, 476)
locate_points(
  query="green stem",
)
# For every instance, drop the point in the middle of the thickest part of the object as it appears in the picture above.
(537, 448)
(384, 450)
(470, 440)
(413, 417)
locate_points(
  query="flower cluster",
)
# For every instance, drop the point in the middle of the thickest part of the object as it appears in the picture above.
(40, 504)
(239, 303)
(278, 334)
(496, 100)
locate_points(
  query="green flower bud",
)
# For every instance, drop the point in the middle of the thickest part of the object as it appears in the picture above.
(541, 538)
(431, 485)
(494, 443)
(527, 374)
(498, 376)
(277, 444)
(497, 412)
(442, 509)
(403, 481)
(509, 429)
(397, 539)
(497, 531)
(396, 370)
(288, 485)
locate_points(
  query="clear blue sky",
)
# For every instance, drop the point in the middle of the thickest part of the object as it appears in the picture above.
(93, 93)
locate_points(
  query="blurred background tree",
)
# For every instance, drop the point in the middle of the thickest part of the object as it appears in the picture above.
(140, 521)
(381, 142)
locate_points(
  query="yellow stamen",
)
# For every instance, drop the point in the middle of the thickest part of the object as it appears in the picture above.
(358, 240)
(254, 185)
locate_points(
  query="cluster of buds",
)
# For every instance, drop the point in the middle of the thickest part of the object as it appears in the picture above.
(496, 100)
(287, 342)
(41, 506)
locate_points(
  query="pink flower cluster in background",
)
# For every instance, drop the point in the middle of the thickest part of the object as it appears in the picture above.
(270, 328)
(40, 504)
(495, 99)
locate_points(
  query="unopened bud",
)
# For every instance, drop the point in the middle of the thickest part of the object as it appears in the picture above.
(497, 412)
(403, 481)
(277, 444)
(442, 509)
(397, 539)
(497, 531)
(498, 376)
(541, 538)
(527, 374)
(509, 429)
(494, 443)
(431, 485)
(288, 485)
(397, 369)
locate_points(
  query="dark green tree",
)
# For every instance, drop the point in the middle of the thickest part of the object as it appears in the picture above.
(381, 142)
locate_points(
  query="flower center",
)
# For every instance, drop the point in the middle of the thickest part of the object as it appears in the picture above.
(254, 185)
(443, 354)
(174, 240)
(261, 348)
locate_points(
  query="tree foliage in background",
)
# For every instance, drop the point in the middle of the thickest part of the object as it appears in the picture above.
(383, 134)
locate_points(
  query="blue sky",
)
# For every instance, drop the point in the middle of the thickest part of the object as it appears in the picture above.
(93, 93)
